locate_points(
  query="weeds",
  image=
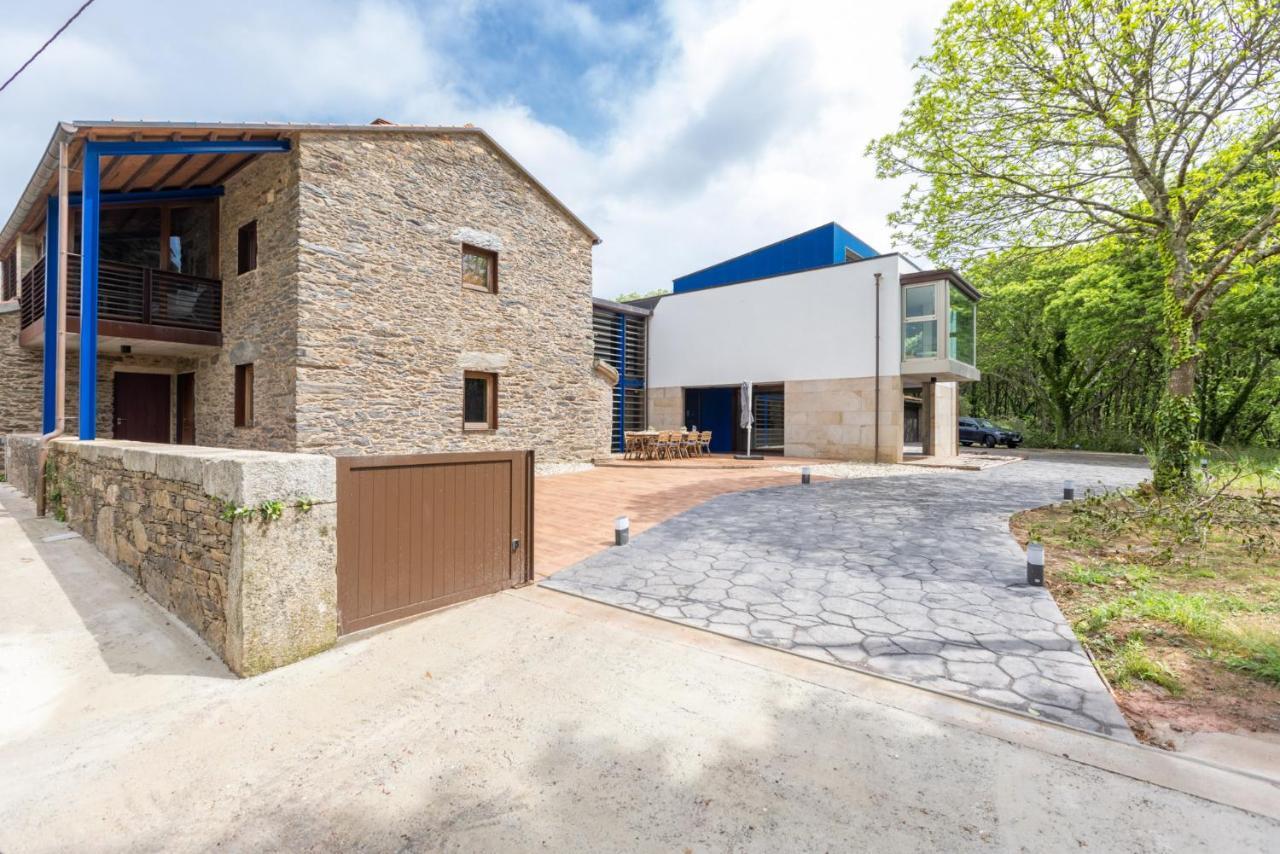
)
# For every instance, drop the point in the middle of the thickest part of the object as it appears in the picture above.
(1131, 662)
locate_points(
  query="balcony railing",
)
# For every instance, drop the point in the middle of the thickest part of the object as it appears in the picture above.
(132, 294)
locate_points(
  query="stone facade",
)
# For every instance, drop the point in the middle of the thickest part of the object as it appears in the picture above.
(261, 593)
(665, 408)
(386, 329)
(836, 419)
(20, 379)
(259, 312)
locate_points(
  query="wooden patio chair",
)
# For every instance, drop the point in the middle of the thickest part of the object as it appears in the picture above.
(689, 444)
(665, 445)
(704, 442)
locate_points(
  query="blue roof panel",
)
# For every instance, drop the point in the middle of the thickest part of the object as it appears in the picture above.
(818, 247)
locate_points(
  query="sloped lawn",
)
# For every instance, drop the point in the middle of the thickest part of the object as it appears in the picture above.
(1177, 600)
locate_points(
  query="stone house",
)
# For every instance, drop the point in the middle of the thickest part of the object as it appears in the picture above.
(360, 289)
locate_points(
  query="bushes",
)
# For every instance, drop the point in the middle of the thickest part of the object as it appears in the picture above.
(1036, 436)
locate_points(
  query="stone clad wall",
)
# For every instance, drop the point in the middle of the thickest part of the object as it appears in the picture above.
(259, 311)
(836, 419)
(386, 329)
(261, 593)
(20, 379)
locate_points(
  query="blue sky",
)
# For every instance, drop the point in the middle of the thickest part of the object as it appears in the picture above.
(682, 131)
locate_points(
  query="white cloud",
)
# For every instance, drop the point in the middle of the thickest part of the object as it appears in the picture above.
(753, 126)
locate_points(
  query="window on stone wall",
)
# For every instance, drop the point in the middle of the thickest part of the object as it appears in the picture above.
(479, 268)
(244, 395)
(247, 247)
(479, 401)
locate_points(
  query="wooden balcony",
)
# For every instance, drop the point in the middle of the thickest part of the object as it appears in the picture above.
(156, 311)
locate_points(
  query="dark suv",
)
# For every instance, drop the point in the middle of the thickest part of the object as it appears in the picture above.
(985, 433)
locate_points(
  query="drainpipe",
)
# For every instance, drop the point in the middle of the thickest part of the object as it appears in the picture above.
(60, 338)
(876, 457)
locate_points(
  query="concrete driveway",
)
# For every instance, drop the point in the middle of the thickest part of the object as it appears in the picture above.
(530, 720)
(915, 577)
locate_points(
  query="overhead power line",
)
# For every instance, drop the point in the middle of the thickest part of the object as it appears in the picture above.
(68, 23)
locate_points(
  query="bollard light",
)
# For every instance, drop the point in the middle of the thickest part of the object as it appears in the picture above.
(1035, 564)
(621, 531)
(1068, 490)
(805, 473)
(1204, 464)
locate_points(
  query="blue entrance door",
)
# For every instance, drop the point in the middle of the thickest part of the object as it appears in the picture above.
(712, 409)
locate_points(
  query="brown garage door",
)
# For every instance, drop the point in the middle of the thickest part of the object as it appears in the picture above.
(423, 531)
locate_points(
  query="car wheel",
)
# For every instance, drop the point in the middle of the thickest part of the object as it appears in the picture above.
(1012, 445)
(988, 441)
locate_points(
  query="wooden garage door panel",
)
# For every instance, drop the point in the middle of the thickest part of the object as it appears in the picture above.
(419, 532)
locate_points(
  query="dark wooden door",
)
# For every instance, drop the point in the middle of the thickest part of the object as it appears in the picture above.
(141, 407)
(419, 532)
(185, 429)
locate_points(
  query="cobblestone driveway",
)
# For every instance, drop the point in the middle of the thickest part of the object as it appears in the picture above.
(914, 576)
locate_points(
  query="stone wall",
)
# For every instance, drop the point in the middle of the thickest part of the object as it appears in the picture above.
(386, 328)
(665, 408)
(259, 312)
(21, 385)
(261, 593)
(22, 461)
(836, 419)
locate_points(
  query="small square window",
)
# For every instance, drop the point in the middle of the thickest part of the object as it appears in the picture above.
(247, 248)
(479, 268)
(244, 395)
(479, 401)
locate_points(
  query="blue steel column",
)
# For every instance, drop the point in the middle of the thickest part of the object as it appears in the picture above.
(50, 411)
(622, 382)
(89, 296)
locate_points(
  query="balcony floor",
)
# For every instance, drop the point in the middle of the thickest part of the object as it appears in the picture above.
(141, 338)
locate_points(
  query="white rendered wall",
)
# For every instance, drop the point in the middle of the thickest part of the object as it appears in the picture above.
(814, 325)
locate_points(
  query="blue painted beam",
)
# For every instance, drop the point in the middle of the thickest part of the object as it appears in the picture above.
(170, 146)
(50, 409)
(622, 371)
(88, 296)
(152, 195)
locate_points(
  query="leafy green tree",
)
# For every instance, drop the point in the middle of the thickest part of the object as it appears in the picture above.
(1051, 123)
(1065, 330)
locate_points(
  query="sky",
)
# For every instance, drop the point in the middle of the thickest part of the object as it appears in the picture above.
(683, 132)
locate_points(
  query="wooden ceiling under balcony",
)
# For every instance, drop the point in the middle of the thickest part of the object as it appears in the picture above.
(136, 173)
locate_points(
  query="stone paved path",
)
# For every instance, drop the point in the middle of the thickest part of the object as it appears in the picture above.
(914, 576)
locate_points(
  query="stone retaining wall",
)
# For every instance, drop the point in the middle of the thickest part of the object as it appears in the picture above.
(22, 461)
(261, 592)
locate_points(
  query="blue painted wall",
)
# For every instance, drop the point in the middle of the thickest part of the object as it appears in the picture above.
(818, 247)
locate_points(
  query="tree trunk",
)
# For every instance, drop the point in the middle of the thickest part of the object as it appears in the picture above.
(1177, 418)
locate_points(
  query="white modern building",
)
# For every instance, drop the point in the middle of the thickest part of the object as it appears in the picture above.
(850, 354)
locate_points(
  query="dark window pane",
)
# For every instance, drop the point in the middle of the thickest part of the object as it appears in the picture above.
(476, 400)
(128, 235)
(247, 247)
(191, 241)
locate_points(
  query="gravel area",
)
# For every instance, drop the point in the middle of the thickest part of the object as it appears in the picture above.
(552, 469)
(848, 471)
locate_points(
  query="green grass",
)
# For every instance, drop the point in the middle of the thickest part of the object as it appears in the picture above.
(1130, 662)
